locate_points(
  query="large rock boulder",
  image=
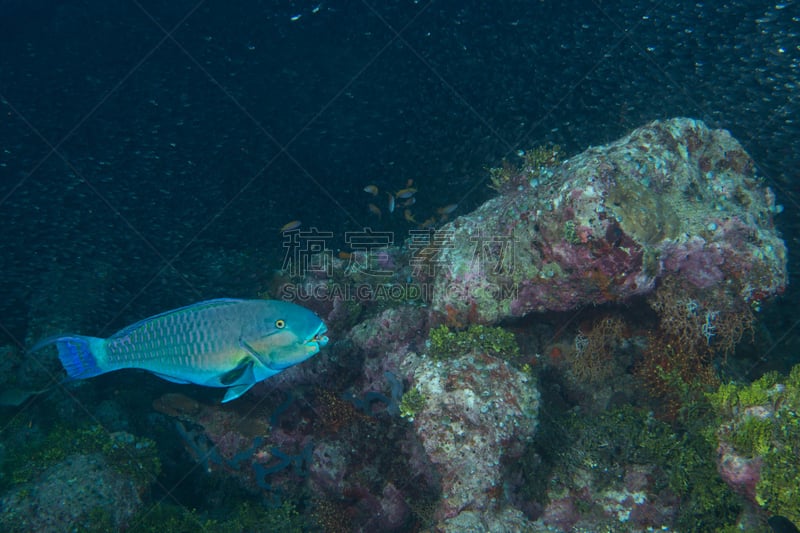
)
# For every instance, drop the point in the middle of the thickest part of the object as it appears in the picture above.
(672, 197)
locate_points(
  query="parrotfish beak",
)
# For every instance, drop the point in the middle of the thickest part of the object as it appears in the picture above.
(318, 338)
(299, 350)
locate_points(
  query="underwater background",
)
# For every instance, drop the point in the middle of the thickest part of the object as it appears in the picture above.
(151, 154)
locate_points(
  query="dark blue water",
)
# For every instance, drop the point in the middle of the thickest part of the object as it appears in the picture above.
(150, 151)
(159, 143)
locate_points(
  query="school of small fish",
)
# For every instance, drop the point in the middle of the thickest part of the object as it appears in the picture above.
(405, 198)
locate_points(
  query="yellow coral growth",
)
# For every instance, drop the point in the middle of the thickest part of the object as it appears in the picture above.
(537, 164)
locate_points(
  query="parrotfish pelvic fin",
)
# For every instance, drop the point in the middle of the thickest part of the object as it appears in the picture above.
(171, 378)
(236, 391)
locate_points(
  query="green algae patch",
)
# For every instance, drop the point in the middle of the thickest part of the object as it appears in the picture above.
(134, 457)
(495, 341)
(412, 402)
(592, 454)
(732, 396)
(164, 517)
(763, 421)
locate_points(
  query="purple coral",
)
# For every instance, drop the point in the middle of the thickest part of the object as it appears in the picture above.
(697, 261)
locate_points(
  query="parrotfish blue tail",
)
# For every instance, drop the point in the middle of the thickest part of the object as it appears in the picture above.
(80, 355)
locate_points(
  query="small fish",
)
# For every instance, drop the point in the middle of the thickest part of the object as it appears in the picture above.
(409, 182)
(406, 193)
(372, 189)
(290, 226)
(217, 343)
(411, 201)
(391, 203)
(446, 210)
(428, 223)
(408, 216)
(374, 210)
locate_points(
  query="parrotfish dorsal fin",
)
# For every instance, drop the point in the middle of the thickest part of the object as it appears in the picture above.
(186, 308)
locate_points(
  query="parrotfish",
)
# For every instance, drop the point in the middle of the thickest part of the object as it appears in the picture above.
(217, 343)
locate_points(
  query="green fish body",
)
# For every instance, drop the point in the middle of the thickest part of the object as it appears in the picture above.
(217, 343)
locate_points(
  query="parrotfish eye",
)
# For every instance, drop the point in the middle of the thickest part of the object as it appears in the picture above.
(280, 323)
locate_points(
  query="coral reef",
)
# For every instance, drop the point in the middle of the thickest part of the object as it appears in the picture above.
(673, 374)
(592, 359)
(759, 440)
(624, 470)
(163, 517)
(56, 500)
(695, 326)
(538, 165)
(478, 411)
(671, 197)
(712, 321)
(422, 417)
(242, 445)
(114, 470)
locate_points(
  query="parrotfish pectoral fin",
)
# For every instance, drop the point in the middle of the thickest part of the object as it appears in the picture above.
(78, 354)
(243, 369)
(236, 391)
